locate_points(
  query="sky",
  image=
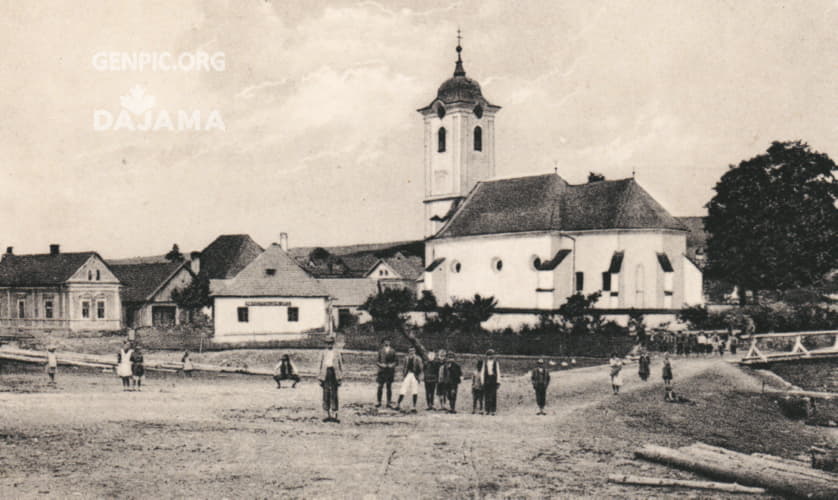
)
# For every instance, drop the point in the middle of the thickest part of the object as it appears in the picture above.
(321, 138)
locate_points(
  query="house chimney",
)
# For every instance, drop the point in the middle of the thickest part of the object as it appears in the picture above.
(10, 250)
(195, 262)
(54, 249)
(283, 241)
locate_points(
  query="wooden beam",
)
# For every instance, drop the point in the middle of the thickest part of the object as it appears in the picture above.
(684, 483)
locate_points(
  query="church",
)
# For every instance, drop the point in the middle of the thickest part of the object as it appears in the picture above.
(531, 242)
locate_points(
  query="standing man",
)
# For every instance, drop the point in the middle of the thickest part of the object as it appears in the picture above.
(330, 375)
(386, 372)
(412, 373)
(431, 370)
(451, 375)
(540, 381)
(491, 382)
(441, 390)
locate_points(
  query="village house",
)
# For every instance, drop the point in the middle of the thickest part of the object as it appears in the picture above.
(271, 299)
(226, 256)
(58, 292)
(531, 242)
(147, 291)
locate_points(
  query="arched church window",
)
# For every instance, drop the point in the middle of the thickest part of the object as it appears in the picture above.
(440, 111)
(478, 139)
(441, 140)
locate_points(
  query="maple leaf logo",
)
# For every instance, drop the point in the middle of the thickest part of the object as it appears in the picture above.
(137, 101)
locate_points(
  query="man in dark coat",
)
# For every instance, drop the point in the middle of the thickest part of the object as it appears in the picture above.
(387, 361)
(491, 382)
(450, 376)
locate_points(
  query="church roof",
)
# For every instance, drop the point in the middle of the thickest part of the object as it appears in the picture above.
(460, 88)
(227, 255)
(549, 203)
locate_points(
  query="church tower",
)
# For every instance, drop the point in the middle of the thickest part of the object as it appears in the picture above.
(459, 144)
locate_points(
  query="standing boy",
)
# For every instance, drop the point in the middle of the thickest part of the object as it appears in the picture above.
(412, 372)
(451, 375)
(431, 370)
(491, 382)
(540, 381)
(330, 375)
(441, 390)
(667, 378)
(386, 371)
(52, 364)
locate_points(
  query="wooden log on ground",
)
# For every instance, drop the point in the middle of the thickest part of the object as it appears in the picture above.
(684, 483)
(758, 460)
(747, 470)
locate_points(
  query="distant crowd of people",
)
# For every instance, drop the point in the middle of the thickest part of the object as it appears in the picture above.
(693, 343)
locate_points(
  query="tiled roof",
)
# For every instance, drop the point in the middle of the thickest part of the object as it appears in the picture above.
(41, 269)
(547, 202)
(410, 268)
(288, 280)
(349, 291)
(227, 255)
(142, 280)
(355, 261)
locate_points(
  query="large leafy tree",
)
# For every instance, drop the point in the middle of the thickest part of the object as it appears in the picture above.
(773, 223)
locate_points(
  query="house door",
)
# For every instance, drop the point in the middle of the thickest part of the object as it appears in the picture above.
(163, 315)
(344, 318)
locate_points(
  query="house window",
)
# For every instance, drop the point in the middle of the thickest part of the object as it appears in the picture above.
(497, 264)
(21, 309)
(478, 139)
(580, 281)
(89, 275)
(243, 314)
(293, 314)
(606, 281)
(100, 309)
(98, 275)
(48, 311)
(440, 140)
(270, 272)
(85, 309)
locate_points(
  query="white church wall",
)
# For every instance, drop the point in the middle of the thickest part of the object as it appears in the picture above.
(693, 284)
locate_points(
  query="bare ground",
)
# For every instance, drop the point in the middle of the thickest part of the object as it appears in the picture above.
(239, 437)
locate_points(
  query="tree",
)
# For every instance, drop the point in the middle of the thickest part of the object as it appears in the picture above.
(427, 302)
(577, 313)
(174, 254)
(773, 223)
(195, 296)
(389, 308)
(470, 313)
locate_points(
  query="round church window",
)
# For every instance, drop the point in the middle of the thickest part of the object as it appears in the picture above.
(456, 267)
(535, 262)
(478, 111)
(440, 111)
(497, 264)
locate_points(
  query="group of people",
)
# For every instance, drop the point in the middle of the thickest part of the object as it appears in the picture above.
(442, 376)
(643, 371)
(129, 367)
(698, 343)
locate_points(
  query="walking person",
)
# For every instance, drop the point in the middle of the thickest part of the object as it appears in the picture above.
(540, 380)
(386, 363)
(477, 388)
(412, 373)
(187, 364)
(123, 365)
(667, 379)
(52, 364)
(285, 370)
(330, 375)
(137, 368)
(431, 371)
(451, 375)
(643, 365)
(616, 373)
(491, 382)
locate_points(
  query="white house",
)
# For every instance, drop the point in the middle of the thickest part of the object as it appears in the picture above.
(533, 241)
(272, 298)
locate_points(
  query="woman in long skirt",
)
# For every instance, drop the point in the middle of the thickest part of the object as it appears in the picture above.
(123, 366)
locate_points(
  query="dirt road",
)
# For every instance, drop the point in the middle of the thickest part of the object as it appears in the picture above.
(234, 437)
